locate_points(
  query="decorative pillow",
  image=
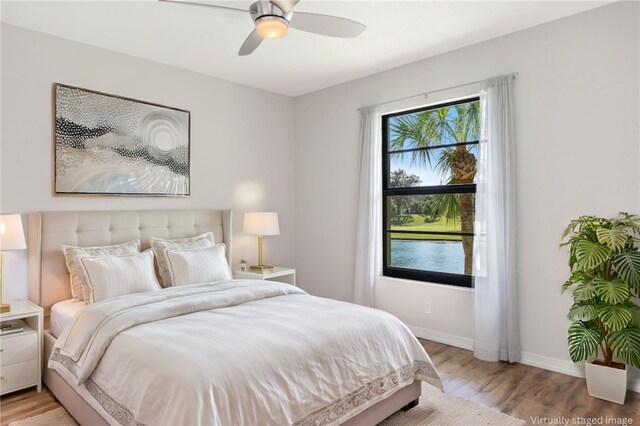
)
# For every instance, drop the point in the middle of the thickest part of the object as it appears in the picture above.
(111, 276)
(72, 256)
(160, 247)
(198, 266)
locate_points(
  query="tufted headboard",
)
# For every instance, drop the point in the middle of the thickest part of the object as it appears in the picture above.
(48, 231)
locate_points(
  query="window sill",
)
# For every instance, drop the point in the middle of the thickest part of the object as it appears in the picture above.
(407, 281)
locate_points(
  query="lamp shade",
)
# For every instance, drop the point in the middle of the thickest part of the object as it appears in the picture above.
(261, 224)
(11, 232)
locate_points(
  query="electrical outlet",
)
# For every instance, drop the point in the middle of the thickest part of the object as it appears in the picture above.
(427, 307)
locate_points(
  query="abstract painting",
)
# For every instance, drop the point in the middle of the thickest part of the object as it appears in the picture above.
(106, 144)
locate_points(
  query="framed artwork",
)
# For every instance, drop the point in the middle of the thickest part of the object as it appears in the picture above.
(112, 145)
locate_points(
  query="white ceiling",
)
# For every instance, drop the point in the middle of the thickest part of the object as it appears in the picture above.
(207, 40)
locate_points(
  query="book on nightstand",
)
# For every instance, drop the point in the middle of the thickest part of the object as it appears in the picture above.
(11, 327)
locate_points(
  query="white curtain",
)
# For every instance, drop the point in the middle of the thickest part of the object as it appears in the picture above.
(369, 237)
(494, 261)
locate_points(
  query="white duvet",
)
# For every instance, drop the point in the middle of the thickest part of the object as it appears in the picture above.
(237, 353)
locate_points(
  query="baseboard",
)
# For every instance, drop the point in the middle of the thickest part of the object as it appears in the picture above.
(547, 363)
(440, 337)
(571, 369)
(552, 364)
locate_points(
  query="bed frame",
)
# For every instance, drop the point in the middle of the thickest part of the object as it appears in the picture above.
(49, 283)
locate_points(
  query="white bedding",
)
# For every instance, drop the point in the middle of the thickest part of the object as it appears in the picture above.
(61, 315)
(237, 353)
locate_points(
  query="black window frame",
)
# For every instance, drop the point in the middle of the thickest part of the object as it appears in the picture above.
(407, 273)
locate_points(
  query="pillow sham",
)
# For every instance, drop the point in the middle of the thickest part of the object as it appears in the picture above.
(198, 266)
(160, 247)
(111, 276)
(73, 255)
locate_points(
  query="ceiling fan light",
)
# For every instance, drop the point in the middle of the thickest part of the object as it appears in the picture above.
(272, 27)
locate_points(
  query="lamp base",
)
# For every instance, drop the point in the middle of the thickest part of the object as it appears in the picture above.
(5, 308)
(263, 269)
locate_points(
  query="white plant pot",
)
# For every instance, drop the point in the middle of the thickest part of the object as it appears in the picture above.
(606, 383)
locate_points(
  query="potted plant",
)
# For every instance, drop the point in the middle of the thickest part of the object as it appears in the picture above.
(605, 278)
(243, 265)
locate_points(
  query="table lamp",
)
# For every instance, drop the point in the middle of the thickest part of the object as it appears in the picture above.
(261, 224)
(11, 238)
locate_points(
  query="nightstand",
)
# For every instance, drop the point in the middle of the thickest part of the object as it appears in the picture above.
(280, 274)
(21, 353)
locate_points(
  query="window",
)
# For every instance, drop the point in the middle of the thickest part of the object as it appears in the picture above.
(429, 175)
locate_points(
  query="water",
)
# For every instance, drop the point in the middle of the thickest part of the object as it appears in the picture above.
(438, 256)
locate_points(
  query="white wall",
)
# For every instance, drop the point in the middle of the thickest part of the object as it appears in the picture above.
(578, 152)
(242, 146)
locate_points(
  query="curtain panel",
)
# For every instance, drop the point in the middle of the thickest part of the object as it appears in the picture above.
(369, 231)
(496, 320)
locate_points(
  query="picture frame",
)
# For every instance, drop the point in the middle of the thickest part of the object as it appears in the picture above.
(106, 144)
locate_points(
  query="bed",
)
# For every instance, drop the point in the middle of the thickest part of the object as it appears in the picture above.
(230, 352)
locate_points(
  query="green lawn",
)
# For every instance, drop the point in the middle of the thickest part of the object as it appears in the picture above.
(418, 224)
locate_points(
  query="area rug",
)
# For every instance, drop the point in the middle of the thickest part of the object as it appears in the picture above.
(435, 408)
(57, 417)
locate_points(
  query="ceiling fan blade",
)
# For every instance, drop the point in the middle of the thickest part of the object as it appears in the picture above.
(195, 3)
(284, 5)
(326, 25)
(250, 44)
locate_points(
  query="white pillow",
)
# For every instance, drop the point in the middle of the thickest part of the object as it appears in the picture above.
(79, 286)
(160, 247)
(198, 266)
(111, 276)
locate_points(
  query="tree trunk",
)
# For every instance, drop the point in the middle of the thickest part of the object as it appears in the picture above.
(608, 356)
(463, 168)
(466, 225)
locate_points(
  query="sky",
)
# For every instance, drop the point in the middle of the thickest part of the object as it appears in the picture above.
(427, 174)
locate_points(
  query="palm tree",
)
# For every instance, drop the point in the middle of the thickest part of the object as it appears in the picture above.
(457, 165)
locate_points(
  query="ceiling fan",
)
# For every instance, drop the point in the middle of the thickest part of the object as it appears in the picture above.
(273, 18)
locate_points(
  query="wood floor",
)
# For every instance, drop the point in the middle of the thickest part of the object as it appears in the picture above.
(26, 403)
(515, 389)
(522, 391)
